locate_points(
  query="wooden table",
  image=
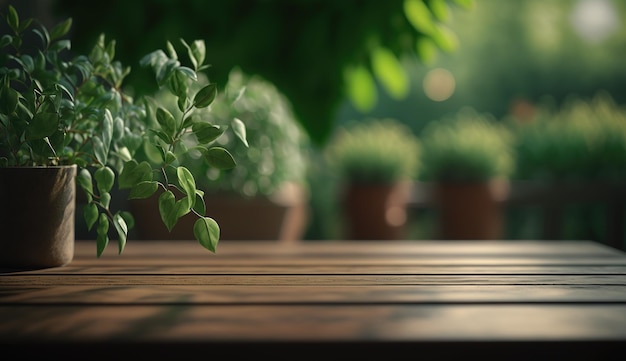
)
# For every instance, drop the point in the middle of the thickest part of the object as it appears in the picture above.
(497, 300)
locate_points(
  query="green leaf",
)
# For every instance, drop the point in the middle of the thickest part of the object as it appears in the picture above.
(61, 29)
(170, 209)
(207, 233)
(122, 231)
(84, 181)
(99, 149)
(162, 135)
(107, 136)
(13, 19)
(206, 133)
(104, 179)
(128, 218)
(42, 125)
(170, 157)
(143, 190)
(445, 38)
(105, 199)
(419, 16)
(167, 121)
(196, 52)
(240, 130)
(361, 88)
(205, 96)
(188, 185)
(390, 72)
(102, 238)
(90, 213)
(134, 173)
(200, 205)
(9, 100)
(219, 158)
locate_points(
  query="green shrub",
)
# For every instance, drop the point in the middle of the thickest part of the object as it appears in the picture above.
(374, 151)
(466, 147)
(585, 139)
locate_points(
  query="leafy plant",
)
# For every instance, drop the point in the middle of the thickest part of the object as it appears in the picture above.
(466, 147)
(59, 108)
(584, 139)
(374, 151)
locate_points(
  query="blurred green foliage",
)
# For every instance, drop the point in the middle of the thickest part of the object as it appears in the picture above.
(317, 52)
(467, 147)
(374, 151)
(582, 140)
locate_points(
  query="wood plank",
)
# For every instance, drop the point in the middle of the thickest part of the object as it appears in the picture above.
(238, 323)
(198, 268)
(355, 249)
(310, 280)
(357, 295)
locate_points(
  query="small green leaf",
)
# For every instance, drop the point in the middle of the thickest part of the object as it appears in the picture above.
(419, 16)
(361, 88)
(104, 179)
(220, 158)
(162, 135)
(128, 218)
(240, 130)
(99, 150)
(105, 199)
(122, 231)
(205, 96)
(134, 173)
(207, 233)
(91, 214)
(170, 157)
(200, 205)
(61, 29)
(102, 239)
(13, 19)
(188, 185)
(143, 190)
(166, 121)
(10, 100)
(390, 72)
(206, 132)
(169, 209)
(84, 181)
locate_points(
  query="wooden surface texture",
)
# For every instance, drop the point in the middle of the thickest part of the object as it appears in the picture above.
(442, 298)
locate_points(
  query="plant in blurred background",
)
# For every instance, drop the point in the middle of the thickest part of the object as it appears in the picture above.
(469, 159)
(581, 141)
(375, 162)
(571, 160)
(468, 147)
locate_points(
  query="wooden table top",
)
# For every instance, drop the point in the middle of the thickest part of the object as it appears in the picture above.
(502, 298)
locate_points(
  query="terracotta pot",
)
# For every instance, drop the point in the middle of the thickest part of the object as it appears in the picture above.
(471, 211)
(376, 212)
(282, 217)
(37, 216)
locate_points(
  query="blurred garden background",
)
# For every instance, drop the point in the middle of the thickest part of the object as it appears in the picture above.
(550, 73)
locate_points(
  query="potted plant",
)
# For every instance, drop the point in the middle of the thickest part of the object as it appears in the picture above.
(67, 115)
(376, 161)
(468, 159)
